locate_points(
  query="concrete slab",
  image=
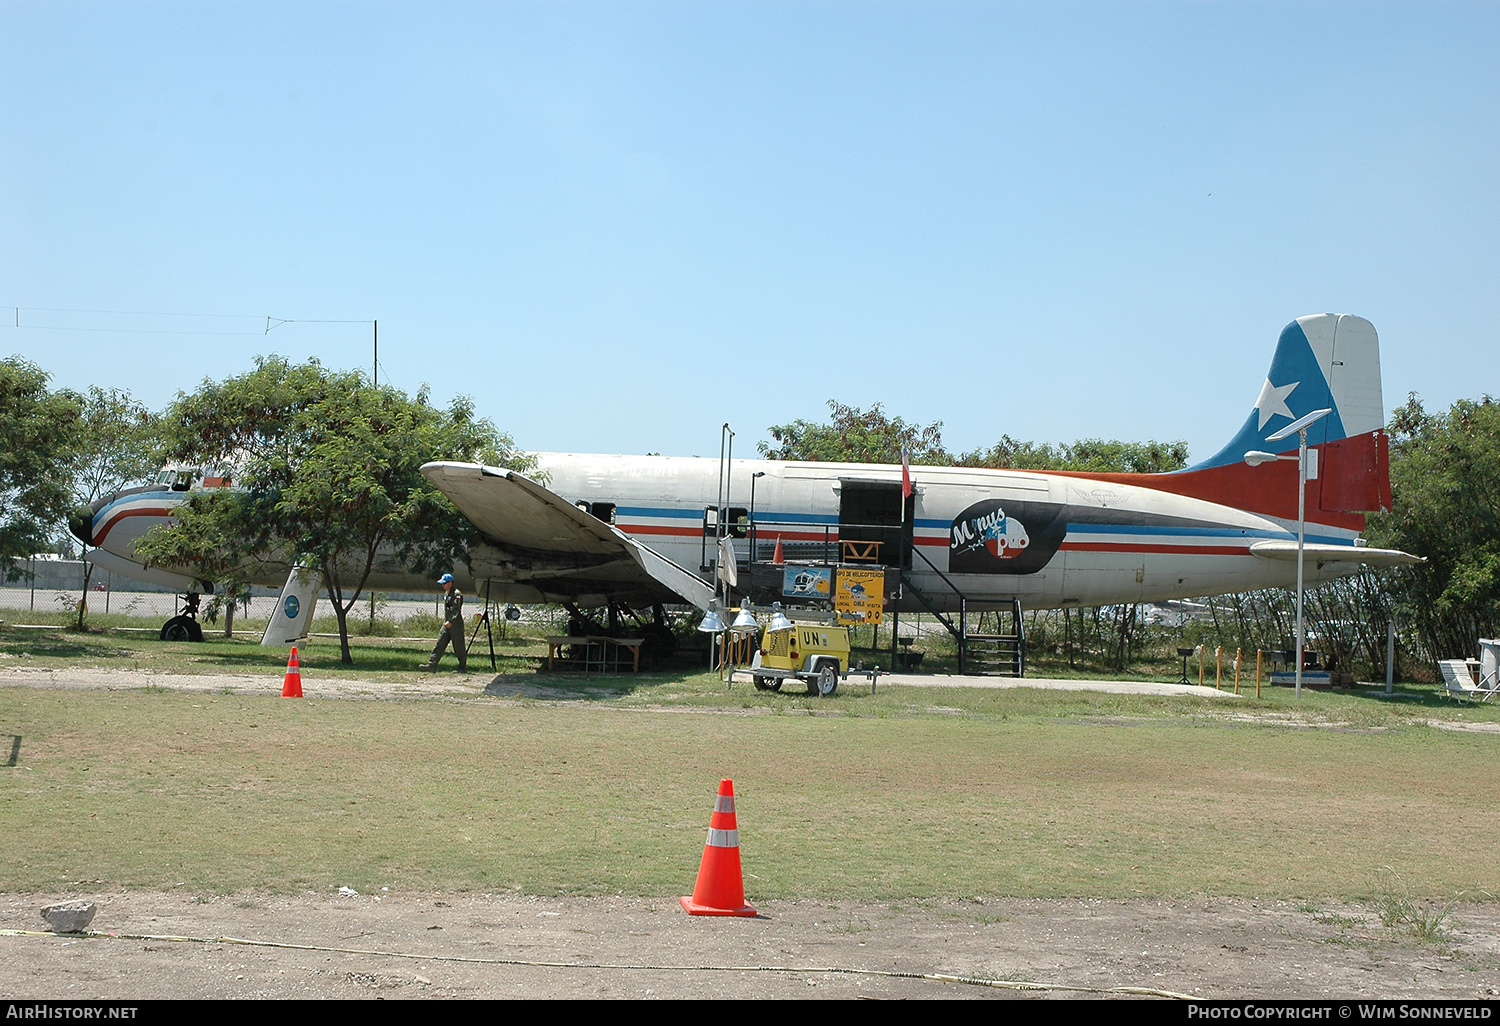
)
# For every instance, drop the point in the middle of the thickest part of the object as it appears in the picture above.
(1119, 687)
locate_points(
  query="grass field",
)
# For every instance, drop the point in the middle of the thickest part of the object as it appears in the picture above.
(910, 793)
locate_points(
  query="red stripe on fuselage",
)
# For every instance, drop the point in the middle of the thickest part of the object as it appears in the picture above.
(696, 532)
(109, 525)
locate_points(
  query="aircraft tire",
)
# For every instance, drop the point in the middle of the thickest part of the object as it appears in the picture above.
(767, 683)
(181, 628)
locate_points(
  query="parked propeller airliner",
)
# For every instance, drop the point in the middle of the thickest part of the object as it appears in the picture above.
(641, 530)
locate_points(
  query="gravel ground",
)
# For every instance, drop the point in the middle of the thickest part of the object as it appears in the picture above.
(619, 947)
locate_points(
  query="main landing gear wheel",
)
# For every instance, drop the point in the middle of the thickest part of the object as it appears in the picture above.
(828, 681)
(767, 683)
(181, 628)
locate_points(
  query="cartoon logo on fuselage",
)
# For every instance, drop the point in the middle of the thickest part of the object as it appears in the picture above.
(1019, 536)
(1001, 536)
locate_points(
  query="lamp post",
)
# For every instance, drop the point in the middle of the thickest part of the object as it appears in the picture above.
(726, 471)
(712, 623)
(1255, 458)
(753, 478)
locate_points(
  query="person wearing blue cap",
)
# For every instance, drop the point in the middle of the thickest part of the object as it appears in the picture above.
(453, 627)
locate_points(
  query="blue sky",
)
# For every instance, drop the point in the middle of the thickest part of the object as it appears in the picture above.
(617, 225)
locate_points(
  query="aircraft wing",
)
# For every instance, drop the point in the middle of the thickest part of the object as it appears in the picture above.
(545, 542)
(1320, 553)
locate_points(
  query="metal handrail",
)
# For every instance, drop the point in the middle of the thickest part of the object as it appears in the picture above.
(754, 525)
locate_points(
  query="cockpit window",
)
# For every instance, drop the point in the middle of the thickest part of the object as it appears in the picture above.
(182, 480)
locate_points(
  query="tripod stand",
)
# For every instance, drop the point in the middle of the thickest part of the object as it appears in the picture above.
(484, 618)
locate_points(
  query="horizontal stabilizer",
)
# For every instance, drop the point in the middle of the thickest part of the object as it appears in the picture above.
(1321, 553)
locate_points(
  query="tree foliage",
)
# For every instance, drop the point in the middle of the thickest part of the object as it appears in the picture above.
(115, 444)
(853, 435)
(37, 429)
(1089, 454)
(327, 467)
(1445, 485)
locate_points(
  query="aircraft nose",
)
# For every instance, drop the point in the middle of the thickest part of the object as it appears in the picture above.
(81, 524)
(81, 520)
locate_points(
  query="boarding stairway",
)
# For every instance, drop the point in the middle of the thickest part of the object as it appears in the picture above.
(986, 655)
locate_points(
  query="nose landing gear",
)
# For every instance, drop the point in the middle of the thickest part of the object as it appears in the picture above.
(184, 626)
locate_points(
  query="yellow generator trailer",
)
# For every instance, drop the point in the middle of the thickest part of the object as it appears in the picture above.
(815, 653)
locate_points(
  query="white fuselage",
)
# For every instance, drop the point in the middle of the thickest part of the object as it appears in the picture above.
(983, 536)
(1113, 543)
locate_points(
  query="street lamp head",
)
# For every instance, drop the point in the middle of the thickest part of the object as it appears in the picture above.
(1255, 457)
(1300, 424)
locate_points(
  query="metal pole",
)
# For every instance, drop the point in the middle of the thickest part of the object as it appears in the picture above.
(719, 510)
(30, 562)
(754, 536)
(724, 531)
(751, 525)
(376, 326)
(1390, 654)
(1301, 541)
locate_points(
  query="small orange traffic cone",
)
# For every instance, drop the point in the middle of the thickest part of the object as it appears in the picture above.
(778, 557)
(291, 687)
(720, 890)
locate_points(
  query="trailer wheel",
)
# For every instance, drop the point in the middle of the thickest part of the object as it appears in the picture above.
(828, 681)
(768, 683)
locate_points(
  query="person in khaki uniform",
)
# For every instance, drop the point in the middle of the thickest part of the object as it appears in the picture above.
(453, 627)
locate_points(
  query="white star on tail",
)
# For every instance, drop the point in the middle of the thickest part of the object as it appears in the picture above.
(1273, 401)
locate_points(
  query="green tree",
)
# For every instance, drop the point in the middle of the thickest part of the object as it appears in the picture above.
(1445, 485)
(115, 444)
(856, 436)
(327, 468)
(1088, 454)
(853, 435)
(37, 434)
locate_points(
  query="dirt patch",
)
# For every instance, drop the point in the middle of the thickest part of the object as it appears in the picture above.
(579, 947)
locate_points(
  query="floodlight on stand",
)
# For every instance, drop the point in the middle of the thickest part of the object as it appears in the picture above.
(711, 624)
(779, 622)
(745, 622)
(1300, 424)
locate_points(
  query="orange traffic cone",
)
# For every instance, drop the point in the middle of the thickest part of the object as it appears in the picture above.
(292, 686)
(720, 891)
(778, 557)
